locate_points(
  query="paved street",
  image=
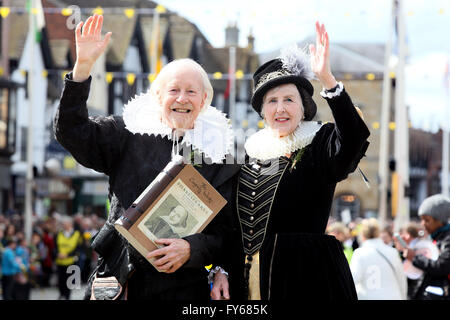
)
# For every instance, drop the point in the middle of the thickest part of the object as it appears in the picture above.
(53, 294)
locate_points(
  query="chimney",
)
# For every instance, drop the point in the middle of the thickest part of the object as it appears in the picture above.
(231, 35)
(251, 41)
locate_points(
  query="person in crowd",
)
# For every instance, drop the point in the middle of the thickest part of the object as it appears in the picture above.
(22, 284)
(68, 242)
(132, 150)
(86, 250)
(284, 192)
(376, 267)
(2, 234)
(48, 253)
(36, 247)
(434, 283)
(342, 234)
(10, 268)
(387, 236)
(10, 233)
(353, 229)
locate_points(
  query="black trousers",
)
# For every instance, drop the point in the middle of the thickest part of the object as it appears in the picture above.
(64, 291)
(21, 291)
(8, 287)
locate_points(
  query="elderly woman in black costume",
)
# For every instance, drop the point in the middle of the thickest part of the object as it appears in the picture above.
(285, 191)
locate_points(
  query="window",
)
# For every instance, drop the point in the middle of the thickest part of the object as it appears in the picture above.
(346, 207)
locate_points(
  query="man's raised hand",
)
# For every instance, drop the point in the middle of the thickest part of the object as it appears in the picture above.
(89, 46)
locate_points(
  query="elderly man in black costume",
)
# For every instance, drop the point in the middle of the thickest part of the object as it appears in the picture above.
(284, 193)
(132, 150)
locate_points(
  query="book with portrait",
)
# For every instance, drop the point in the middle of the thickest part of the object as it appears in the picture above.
(177, 203)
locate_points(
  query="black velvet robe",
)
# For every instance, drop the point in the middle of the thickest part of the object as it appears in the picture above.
(297, 260)
(131, 162)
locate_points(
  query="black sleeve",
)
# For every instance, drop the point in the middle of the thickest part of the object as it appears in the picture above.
(206, 247)
(342, 145)
(93, 141)
(439, 267)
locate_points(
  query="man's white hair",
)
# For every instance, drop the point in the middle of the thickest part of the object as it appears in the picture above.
(161, 79)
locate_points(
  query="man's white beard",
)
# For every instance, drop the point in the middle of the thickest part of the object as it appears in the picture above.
(179, 122)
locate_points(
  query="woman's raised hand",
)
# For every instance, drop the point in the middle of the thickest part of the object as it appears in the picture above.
(89, 46)
(320, 58)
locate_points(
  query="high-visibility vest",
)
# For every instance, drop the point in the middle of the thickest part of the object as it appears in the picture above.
(67, 246)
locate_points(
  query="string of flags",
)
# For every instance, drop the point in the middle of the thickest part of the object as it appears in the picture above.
(132, 76)
(128, 12)
(131, 12)
(239, 75)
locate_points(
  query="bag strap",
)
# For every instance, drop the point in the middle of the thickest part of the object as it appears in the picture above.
(390, 265)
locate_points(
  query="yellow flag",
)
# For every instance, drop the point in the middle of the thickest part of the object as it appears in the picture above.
(217, 75)
(370, 76)
(160, 8)
(109, 77)
(66, 12)
(4, 11)
(394, 193)
(98, 11)
(69, 163)
(151, 77)
(260, 124)
(156, 41)
(129, 13)
(130, 78)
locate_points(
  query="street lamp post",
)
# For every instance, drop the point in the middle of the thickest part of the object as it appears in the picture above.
(401, 124)
(29, 174)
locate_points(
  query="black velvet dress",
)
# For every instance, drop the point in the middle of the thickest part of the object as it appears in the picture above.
(283, 215)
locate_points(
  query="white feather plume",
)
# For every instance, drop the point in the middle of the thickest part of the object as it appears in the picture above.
(296, 61)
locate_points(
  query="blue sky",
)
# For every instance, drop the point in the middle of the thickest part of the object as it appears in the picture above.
(282, 22)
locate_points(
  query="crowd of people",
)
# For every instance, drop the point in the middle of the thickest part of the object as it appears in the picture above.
(411, 264)
(56, 242)
(380, 260)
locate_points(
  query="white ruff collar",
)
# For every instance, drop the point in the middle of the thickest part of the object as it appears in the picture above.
(212, 133)
(264, 145)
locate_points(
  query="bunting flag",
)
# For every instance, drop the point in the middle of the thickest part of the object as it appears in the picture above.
(35, 7)
(4, 12)
(156, 46)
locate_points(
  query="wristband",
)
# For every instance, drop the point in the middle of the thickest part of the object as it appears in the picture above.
(212, 273)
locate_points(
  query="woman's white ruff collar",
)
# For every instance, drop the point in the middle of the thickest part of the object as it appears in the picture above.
(264, 145)
(212, 133)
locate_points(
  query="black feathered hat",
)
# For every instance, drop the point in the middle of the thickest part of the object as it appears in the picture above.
(291, 67)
